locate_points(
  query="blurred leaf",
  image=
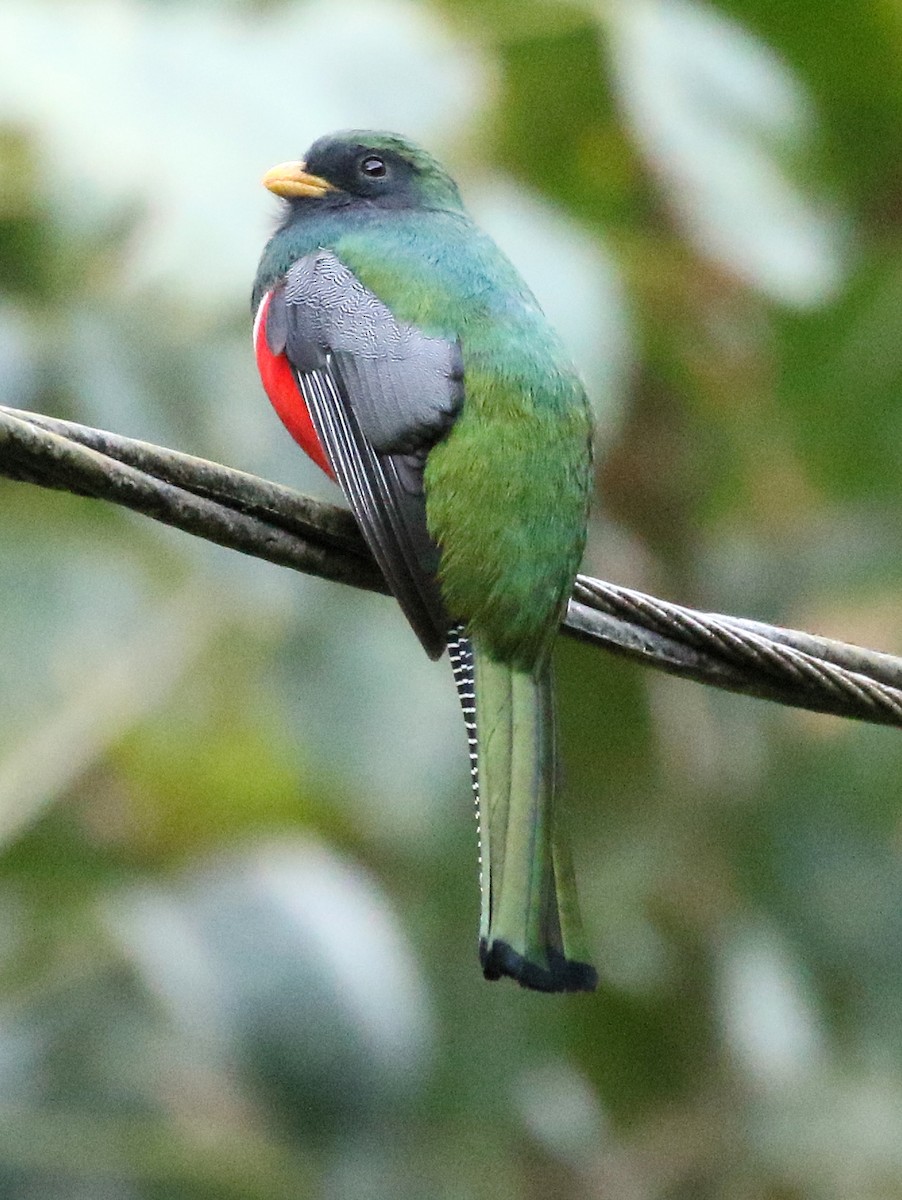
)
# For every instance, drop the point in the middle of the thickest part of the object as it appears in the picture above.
(727, 129)
(292, 966)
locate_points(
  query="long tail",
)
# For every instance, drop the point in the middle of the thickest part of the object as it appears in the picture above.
(530, 927)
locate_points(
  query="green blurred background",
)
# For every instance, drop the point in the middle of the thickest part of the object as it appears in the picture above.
(238, 898)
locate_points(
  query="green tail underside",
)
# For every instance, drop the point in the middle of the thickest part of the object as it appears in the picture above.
(530, 927)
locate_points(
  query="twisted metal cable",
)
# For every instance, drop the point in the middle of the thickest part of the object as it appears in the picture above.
(278, 524)
(786, 665)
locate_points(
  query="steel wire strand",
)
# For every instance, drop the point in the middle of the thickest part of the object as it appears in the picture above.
(810, 680)
(275, 523)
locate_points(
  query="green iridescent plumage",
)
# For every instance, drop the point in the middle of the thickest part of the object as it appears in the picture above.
(506, 496)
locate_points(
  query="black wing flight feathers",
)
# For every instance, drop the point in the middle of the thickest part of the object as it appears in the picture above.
(380, 395)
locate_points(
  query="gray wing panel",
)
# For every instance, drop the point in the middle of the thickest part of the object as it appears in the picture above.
(379, 399)
(406, 388)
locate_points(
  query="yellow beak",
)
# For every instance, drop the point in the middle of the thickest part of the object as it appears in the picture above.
(290, 179)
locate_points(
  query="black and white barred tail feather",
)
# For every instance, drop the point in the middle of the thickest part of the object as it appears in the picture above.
(460, 651)
(530, 927)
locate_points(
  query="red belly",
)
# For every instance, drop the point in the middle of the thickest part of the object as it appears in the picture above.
(281, 387)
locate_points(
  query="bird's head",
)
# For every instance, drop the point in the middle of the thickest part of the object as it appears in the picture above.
(360, 167)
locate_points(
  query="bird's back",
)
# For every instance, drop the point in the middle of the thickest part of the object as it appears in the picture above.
(507, 489)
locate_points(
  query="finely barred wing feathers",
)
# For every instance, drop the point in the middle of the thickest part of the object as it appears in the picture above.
(380, 394)
(406, 388)
(393, 519)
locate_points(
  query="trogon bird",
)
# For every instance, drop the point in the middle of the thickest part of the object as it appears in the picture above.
(408, 358)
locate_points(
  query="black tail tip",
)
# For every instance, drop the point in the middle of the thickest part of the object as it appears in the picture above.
(560, 975)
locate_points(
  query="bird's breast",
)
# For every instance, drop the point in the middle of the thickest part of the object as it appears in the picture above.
(281, 386)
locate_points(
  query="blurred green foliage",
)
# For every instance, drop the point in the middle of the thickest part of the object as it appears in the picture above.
(237, 870)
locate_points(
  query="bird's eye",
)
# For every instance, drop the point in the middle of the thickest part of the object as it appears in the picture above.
(373, 166)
